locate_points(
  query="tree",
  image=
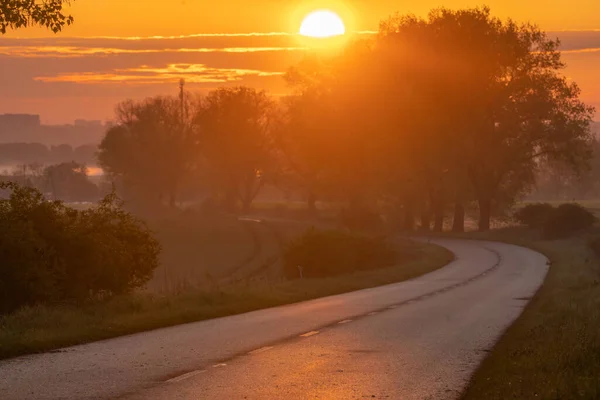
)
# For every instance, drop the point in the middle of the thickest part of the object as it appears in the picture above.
(512, 105)
(15, 14)
(151, 150)
(235, 135)
(69, 182)
(306, 134)
(30, 175)
(52, 253)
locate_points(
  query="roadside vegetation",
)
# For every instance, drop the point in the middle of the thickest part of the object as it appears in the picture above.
(552, 351)
(52, 254)
(42, 328)
(462, 115)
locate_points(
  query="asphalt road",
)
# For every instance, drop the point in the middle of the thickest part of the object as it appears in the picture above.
(420, 339)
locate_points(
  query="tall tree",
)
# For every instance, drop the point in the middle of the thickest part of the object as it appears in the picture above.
(510, 104)
(234, 128)
(15, 14)
(306, 133)
(151, 149)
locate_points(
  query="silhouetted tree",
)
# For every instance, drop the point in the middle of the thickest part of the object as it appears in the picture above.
(512, 105)
(69, 182)
(235, 136)
(16, 14)
(306, 134)
(151, 149)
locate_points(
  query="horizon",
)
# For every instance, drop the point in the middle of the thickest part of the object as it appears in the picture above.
(84, 71)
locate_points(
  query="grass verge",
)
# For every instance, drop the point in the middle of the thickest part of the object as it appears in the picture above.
(38, 329)
(553, 349)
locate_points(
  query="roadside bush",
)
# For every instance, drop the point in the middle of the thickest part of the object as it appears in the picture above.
(534, 215)
(52, 253)
(567, 219)
(332, 253)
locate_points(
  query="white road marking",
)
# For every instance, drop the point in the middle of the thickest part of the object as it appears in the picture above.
(392, 307)
(185, 376)
(345, 321)
(373, 313)
(262, 349)
(219, 365)
(311, 333)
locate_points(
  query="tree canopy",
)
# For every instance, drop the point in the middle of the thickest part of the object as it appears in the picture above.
(15, 14)
(454, 110)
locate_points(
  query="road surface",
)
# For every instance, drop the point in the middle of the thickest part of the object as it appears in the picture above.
(420, 339)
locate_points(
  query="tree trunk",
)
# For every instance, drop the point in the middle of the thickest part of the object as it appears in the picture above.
(458, 222)
(425, 217)
(409, 215)
(230, 200)
(485, 213)
(438, 225)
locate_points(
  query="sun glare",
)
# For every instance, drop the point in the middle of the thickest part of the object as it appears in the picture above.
(322, 24)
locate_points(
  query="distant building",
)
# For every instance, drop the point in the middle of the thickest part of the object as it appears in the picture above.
(10, 122)
(27, 128)
(83, 123)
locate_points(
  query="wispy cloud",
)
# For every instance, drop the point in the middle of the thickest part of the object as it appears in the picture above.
(193, 73)
(73, 52)
(576, 51)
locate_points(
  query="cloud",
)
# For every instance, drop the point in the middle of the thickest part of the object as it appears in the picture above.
(67, 77)
(75, 52)
(582, 51)
(193, 73)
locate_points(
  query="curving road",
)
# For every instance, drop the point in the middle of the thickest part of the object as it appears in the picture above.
(420, 339)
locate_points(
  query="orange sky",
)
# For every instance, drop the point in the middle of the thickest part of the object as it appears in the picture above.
(72, 75)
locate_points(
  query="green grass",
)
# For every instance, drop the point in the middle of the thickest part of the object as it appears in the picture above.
(38, 329)
(553, 349)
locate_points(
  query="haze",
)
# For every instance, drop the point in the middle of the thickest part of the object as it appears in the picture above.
(84, 71)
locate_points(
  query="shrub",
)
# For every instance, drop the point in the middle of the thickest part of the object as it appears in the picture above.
(53, 253)
(567, 219)
(534, 215)
(331, 253)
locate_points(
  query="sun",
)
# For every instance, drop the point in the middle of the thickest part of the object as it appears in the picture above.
(322, 24)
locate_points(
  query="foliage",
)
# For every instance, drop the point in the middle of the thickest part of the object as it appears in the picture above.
(567, 219)
(53, 253)
(534, 215)
(34, 153)
(331, 253)
(234, 126)
(151, 151)
(69, 182)
(16, 14)
(43, 328)
(458, 106)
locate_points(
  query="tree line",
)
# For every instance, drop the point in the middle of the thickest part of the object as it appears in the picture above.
(431, 115)
(28, 153)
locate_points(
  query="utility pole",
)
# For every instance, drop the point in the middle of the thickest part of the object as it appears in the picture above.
(181, 85)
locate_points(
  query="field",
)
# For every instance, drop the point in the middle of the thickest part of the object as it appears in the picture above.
(40, 329)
